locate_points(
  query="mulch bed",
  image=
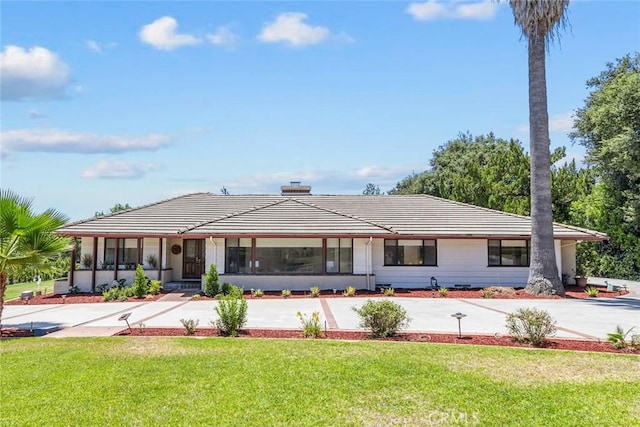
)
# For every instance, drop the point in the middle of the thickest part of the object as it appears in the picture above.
(81, 298)
(573, 292)
(505, 341)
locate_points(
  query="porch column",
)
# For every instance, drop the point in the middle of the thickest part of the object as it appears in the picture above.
(72, 266)
(93, 264)
(160, 259)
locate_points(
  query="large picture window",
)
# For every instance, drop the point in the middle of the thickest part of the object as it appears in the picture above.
(339, 256)
(301, 256)
(509, 253)
(129, 253)
(238, 255)
(410, 252)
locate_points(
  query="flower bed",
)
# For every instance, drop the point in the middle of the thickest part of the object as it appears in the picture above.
(81, 298)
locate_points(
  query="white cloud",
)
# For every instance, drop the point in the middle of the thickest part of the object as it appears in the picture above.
(108, 169)
(561, 123)
(36, 115)
(325, 181)
(290, 28)
(59, 141)
(29, 74)
(98, 47)
(224, 37)
(162, 34)
(432, 10)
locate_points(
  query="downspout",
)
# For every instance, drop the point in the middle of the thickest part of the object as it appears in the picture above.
(368, 261)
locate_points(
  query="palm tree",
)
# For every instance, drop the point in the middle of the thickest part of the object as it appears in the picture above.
(26, 239)
(539, 21)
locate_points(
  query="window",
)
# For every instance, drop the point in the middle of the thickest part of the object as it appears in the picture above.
(509, 253)
(129, 252)
(302, 256)
(238, 255)
(339, 256)
(410, 252)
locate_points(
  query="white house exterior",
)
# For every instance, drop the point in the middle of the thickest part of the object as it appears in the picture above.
(297, 240)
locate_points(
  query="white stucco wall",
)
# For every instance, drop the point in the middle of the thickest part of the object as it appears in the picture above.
(460, 262)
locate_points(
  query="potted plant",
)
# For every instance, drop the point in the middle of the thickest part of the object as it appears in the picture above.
(581, 276)
(87, 260)
(152, 260)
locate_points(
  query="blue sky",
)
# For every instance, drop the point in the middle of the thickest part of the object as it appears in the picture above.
(134, 102)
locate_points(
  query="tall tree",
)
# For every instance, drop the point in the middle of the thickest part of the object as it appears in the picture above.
(371, 190)
(539, 21)
(26, 239)
(609, 128)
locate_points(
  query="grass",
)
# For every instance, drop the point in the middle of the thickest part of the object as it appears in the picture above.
(13, 291)
(223, 381)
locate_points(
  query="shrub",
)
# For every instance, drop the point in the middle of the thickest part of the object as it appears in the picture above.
(384, 318)
(310, 325)
(195, 296)
(232, 315)
(224, 289)
(190, 325)
(102, 287)
(618, 339)
(388, 292)
(315, 292)
(155, 287)
(211, 281)
(486, 293)
(531, 325)
(140, 284)
(110, 294)
(74, 290)
(443, 292)
(350, 291)
(258, 293)
(286, 293)
(234, 292)
(591, 291)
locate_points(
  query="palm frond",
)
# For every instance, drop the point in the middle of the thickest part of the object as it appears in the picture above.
(540, 18)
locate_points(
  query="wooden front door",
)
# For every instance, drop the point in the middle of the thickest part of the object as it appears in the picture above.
(193, 259)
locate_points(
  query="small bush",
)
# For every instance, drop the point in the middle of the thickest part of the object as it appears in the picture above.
(350, 291)
(443, 292)
(195, 296)
(487, 293)
(257, 293)
(531, 325)
(211, 281)
(384, 318)
(232, 315)
(190, 325)
(140, 284)
(224, 289)
(286, 293)
(591, 291)
(315, 292)
(102, 287)
(310, 325)
(619, 340)
(388, 292)
(155, 287)
(234, 292)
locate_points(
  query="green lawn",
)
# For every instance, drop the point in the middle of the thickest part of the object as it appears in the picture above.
(13, 291)
(226, 381)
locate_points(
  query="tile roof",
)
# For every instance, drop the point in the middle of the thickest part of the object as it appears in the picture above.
(206, 214)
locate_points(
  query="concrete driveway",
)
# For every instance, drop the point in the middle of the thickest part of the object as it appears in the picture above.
(584, 318)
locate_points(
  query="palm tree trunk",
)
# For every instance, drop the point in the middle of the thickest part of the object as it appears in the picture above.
(543, 265)
(3, 288)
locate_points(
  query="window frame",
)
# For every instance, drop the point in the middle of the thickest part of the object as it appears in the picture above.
(396, 255)
(500, 246)
(120, 246)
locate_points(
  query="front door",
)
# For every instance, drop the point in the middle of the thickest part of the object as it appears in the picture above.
(193, 259)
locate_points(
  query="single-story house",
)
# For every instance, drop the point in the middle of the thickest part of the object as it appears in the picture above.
(296, 240)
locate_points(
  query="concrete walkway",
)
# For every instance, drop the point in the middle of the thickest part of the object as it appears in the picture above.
(583, 318)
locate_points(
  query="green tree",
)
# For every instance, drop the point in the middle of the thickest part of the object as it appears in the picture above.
(118, 207)
(27, 239)
(539, 21)
(211, 281)
(608, 126)
(371, 190)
